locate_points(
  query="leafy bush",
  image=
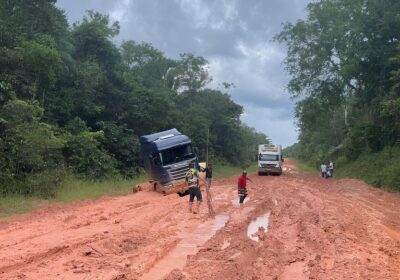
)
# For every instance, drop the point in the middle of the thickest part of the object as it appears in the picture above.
(86, 157)
(381, 169)
(30, 151)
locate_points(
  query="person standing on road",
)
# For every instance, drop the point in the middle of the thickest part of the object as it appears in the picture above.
(242, 186)
(331, 168)
(208, 171)
(323, 170)
(192, 179)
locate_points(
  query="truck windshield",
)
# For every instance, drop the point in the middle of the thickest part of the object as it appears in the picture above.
(177, 154)
(265, 157)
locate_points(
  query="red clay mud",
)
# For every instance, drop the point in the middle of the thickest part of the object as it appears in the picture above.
(318, 229)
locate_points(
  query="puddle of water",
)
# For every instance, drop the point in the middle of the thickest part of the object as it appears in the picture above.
(235, 202)
(189, 245)
(254, 226)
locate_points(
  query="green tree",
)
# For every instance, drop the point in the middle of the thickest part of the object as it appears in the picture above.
(85, 154)
(340, 62)
(72, 101)
(29, 149)
(190, 74)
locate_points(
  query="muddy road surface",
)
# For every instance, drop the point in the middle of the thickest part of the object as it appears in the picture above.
(295, 226)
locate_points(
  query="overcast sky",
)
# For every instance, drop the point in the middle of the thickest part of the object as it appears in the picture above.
(233, 35)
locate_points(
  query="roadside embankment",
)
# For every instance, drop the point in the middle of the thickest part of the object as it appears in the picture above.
(380, 169)
(74, 189)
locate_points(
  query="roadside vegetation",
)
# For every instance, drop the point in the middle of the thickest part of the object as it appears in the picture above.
(73, 189)
(13, 204)
(306, 167)
(381, 169)
(224, 170)
(344, 60)
(73, 104)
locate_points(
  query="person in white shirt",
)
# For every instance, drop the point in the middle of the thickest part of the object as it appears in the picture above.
(323, 170)
(331, 168)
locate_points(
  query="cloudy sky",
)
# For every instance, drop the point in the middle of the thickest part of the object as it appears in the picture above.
(233, 35)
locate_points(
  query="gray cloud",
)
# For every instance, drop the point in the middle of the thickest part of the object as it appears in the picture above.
(280, 130)
(234, 35)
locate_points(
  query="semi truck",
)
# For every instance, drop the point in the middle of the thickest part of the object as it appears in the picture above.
(269, 159)
(167, 156)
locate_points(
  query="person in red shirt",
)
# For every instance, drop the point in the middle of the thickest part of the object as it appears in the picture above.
(242, 189)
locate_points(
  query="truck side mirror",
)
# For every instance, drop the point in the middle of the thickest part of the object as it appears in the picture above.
(196, 150)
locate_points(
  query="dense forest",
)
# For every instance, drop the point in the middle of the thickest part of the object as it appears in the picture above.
(72, 101)
(344, 60)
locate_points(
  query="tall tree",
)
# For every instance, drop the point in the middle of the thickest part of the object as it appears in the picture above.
(339, 60)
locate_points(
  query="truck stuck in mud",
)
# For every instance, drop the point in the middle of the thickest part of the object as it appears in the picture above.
(167, 156)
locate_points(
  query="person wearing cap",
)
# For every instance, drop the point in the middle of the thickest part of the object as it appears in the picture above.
(242, 186)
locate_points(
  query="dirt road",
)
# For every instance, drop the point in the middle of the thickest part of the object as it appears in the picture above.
(317, 229)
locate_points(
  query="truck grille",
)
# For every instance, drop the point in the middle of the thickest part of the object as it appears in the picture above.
(267, 165)
(179, 173)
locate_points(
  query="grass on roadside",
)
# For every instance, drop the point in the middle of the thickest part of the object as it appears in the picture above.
(381, 169)
(16, 204)
(71, 190)
(306, 167)
(221, 171)
(75, 189)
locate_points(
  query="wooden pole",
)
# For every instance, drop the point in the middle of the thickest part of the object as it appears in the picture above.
(209, 201)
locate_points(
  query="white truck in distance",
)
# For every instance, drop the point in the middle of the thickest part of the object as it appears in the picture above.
(270, 159)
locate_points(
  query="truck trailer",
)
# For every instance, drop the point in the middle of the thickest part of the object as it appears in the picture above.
(167, 156)
(269, 159)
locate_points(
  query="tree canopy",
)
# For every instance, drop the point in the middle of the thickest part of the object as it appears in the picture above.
(344, 62)
(72, 101)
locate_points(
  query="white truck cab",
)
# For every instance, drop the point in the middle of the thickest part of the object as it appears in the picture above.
(269, 159)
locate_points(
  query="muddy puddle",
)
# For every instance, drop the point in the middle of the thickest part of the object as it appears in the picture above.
(259, 227)
(235, 202)
(189, 245)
